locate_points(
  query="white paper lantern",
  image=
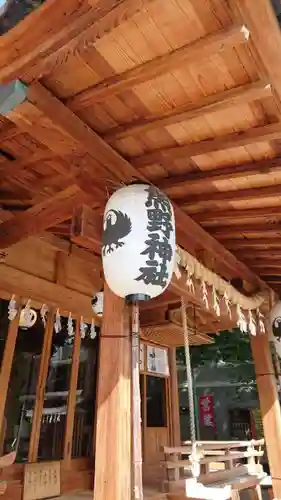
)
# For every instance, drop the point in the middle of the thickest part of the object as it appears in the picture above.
(97, 304)
(138, 243)
(275, 321)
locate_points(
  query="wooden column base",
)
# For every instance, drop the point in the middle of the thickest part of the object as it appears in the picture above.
(270, 407)
(113, 425)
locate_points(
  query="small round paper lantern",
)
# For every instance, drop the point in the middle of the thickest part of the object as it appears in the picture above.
(275, 321)
(138, 242)
(97, 304)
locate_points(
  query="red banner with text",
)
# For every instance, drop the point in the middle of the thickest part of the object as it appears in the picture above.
(206, 411)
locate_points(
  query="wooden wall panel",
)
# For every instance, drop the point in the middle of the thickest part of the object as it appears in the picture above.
(83, 276)
(113, 421)
(37, 258)
(33, 257)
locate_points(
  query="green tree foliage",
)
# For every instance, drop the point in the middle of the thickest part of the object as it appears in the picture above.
(231, 348)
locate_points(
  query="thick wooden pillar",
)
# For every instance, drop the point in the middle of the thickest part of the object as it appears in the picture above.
(270, 407)
(175, 407)
(113, 421)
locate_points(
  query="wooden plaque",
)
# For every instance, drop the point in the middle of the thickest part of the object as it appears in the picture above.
(41, 480)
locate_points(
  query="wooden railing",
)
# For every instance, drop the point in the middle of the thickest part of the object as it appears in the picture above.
(221, 462)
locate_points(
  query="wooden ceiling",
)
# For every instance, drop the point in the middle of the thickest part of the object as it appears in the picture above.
(182, 93)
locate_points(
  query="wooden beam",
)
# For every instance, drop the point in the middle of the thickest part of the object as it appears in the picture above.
(163, 300)
(45, 292)
(114, 419)
(86, 228)
(207, 104)
(218, 216)
(38, 50)
(188, 54)
(40, 389)
(232, 196)
(207, 179)
(174, 392)
(273, 280)
(270, 406)
(41, 216)
(265, 36)
(265, 133)
(71, 402)
(61, 245)
(180, 288)
(7, 362)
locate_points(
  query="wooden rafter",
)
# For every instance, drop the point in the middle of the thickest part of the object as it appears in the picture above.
(208, 104)
(263, 230)
(203, 179)
(65, 123)
(100, 159)
(233, 140)
(235, 244)
(258, 255)
(253, 215)
(204, 48)
(232, 196)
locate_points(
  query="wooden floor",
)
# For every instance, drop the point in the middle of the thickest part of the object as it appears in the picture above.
(87, 495)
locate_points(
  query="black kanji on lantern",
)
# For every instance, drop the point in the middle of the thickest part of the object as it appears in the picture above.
(158, 248)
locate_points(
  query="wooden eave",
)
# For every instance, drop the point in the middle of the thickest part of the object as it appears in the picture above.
(177, 93)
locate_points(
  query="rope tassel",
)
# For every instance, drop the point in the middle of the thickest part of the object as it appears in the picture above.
(195, 456)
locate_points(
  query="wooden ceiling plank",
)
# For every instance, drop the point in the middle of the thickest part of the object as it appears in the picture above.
(253, 243)
(35, 42)
(235, 195)
(188, 54)
(119, 11)
(252, 214)
(265, 255)
(38, 218)
(207, 178)
(190, 234)
(207, 104)
(234, 140)
(228, 232)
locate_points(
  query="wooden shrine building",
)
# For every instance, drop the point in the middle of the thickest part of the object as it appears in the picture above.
(95, 94)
